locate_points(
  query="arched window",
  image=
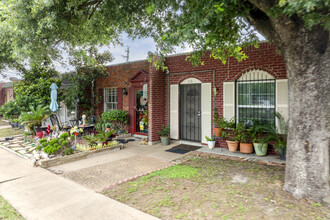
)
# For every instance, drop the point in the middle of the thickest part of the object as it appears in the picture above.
(255, 98)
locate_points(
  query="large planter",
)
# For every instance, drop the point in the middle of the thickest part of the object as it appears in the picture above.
(232, 146)
(39, 132)
(211, 144)
(217, 132)
(165, 140)
(260, 149)
(246, 148)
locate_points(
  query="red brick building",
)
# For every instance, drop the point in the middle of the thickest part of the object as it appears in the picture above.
(6, 92)
(185, 96)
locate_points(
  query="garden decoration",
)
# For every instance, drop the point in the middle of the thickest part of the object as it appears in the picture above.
(76, 131)
(53, 95)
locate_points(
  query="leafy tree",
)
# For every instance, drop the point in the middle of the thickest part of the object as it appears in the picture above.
(298, 28)
(89, 65)
(34, 89)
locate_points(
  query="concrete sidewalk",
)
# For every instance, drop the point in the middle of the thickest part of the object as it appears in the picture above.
(39, 194)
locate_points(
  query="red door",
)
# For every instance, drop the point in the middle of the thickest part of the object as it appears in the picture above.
(138, 105)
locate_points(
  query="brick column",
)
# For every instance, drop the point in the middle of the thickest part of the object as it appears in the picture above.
(156, 93)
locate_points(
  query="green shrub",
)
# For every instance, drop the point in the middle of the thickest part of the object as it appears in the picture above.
(116, 116)
(72, 137)
(54, 141)
(65, 143)
(43, 140)
(39, 147)
(64, 136)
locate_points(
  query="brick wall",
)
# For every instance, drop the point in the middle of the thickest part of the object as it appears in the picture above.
(264, 58)
(156, 92)
(119, 77)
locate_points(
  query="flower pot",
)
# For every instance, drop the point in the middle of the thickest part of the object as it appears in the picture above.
(165, 140)
(211, 144)
(107, 129)
(260, 149)
(232, 146)
(217, 132)
(39, 134)
(283, 154)
(246, 148)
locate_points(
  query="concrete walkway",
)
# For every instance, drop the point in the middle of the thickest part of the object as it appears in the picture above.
(39, 194)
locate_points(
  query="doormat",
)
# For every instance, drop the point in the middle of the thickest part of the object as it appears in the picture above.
(182, 149)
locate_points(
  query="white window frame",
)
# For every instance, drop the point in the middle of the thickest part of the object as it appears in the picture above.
(106, 97)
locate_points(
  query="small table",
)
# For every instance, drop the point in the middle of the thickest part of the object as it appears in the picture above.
(87, 128)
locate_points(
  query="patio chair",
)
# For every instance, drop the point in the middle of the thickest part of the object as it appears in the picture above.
(54, 120)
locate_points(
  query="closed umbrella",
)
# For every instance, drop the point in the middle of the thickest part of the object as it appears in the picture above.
(53, 95)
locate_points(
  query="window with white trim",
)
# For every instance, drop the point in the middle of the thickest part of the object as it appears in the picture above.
(255, 98)
(110, 99)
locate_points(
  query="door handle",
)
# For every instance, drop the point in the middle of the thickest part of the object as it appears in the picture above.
(199, 113)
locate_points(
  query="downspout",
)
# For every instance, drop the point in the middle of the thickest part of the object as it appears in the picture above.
(168, 97)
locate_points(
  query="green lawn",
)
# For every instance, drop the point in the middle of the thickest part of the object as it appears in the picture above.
(7, 211)
(214, 188)
(7, 132)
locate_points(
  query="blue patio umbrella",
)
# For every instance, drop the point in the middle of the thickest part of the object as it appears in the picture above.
(53, 95)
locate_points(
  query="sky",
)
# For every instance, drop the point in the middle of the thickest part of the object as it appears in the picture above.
(138, 50)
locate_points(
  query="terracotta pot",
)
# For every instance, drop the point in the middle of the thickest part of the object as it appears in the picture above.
(232, 146)
(217, 132)
(246, 148)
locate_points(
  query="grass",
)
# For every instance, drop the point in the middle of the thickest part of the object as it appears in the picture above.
(7, 211)
(213, 188)
(3, 123)
(7, 132)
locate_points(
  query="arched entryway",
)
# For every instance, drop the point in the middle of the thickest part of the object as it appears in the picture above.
(190, 110)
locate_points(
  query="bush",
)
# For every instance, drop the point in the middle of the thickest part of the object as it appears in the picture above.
(116, 116)
(165, 131)
(64, 136)
(119, 118)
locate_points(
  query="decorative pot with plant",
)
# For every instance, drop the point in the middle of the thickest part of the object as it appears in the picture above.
(256, 135)
(107, 127)
(243, 136)
(164, 135)
(276, 135)
(231, 139)
(210, 142)
(34, 118)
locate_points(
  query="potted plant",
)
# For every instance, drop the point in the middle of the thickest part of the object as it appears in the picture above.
(164, 135)
(210, 142)
(231, 139)
(217, 131)
(107, 127)
(278, 136)
(256, 135)
(34, 118)
(243, 136)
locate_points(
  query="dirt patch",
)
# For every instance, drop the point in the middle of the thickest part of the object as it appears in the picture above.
(102, 176)
(213, 188)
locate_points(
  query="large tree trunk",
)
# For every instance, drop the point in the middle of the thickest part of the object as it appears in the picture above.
(308, 67)
(307, 56)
